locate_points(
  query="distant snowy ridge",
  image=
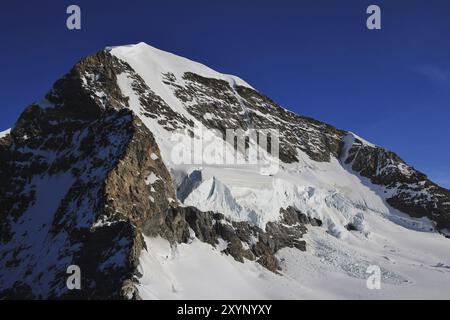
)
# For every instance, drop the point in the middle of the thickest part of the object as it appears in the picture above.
(155, 61)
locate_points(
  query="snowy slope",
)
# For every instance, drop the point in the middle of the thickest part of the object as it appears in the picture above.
(413, 266)
(151, 63)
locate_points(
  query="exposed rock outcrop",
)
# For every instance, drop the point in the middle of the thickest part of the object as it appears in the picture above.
(245, 241)
(406, 189)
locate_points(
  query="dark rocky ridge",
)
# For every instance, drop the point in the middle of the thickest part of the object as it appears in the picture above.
(412, 192)
(216, 97)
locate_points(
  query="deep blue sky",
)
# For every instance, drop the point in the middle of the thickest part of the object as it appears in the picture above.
(314, 57)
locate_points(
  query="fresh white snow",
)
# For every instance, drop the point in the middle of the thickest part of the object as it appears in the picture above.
(151, 179)
(154, 156)
(199, 271)
(414, 265)
(156, 62)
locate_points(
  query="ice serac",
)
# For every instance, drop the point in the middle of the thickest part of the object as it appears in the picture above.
(88, 179)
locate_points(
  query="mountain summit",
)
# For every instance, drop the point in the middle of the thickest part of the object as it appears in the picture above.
(90, 178)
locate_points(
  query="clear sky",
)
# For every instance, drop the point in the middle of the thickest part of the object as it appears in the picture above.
(315, 57)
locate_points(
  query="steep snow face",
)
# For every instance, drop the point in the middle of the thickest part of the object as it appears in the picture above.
(155, 67)
(151, 63)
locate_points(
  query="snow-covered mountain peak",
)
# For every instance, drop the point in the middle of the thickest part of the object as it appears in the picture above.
(173, 95)
(89, 178)
(152, 63)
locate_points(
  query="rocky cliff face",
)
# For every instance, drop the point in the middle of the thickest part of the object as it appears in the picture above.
(407, 189)
(83, 179)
